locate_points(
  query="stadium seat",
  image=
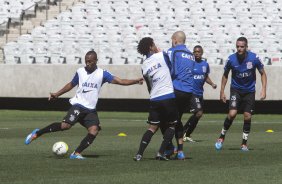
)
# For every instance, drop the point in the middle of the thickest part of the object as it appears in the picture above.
(113, 28)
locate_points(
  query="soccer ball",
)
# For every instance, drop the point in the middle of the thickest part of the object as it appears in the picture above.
(60, 148)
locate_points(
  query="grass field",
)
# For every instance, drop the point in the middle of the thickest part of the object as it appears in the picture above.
(109, 158)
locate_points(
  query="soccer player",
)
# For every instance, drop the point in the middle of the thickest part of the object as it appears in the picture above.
(181, 66)
(243, 65)
(201, 75)
(162, 98)
(89, 80)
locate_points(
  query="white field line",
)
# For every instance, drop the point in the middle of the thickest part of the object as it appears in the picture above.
(4, 128)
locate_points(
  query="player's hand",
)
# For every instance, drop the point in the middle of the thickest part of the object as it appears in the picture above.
(223, 97)
(52, 96)
(214, 86)
(140, 81)
(262, 95)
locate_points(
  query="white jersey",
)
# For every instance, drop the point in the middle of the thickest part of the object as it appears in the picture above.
(157, 76)
(89, 85)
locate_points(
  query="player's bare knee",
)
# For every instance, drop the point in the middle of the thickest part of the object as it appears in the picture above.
(94, 130)
(153, 128)
(199, 114)
(247, 116)
(232, 115)
(65, 126)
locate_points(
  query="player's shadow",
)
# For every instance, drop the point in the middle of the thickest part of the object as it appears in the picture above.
(239, 149)
(172, 158)
(95, 156)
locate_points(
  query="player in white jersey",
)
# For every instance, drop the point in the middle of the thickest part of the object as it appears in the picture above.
(89, 80)
(162, 98)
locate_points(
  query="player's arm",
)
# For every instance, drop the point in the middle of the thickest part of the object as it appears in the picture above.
(127, 82)
(263, 84)
(65, 89)
(209, 81)
(224, 81)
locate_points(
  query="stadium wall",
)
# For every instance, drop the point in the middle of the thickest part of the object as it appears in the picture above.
(28, 87)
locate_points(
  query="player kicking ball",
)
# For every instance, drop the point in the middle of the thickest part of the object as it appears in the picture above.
(89, 80)
(243, 65)
(162, 98)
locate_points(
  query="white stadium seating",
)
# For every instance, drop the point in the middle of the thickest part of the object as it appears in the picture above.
(113, 28)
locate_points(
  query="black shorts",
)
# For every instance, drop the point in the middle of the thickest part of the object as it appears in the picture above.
(163, 111)
(197, 103)
(183, 101)
(85, 117)
(242, 101)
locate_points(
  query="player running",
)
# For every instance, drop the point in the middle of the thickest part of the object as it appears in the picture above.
(89, 80)
(243, 65)
(201, 75)
(162, 98)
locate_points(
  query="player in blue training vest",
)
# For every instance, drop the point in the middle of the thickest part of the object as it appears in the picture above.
(89, 80)
(201, 76)
(181, 63)
(243, 65)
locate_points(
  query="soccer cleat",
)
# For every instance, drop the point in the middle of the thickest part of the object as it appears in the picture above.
(188, 139)
(32, 136)
(170, 152)
(244, 147)
(180, 155)
(219, 143)
(161, 157)
(137, 157)
(76, 156)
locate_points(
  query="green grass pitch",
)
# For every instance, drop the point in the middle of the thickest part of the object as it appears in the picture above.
(109, 158)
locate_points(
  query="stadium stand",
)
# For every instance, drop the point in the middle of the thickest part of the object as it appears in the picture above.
(113, 28)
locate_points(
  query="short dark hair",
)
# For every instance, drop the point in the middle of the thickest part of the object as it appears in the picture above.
(91, 52)
(243, 39)
(144, 45)
(198, 46)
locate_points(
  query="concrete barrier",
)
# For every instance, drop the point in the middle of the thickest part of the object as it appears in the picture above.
(36, 81)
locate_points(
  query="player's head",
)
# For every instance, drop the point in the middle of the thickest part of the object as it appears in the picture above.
(178, 38)
(198, 52)
(147, 46)
(241, 45)
(91, 60)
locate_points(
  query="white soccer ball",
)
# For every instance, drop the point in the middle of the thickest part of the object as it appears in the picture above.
(60, 148)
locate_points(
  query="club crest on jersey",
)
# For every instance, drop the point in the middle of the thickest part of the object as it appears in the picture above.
(249, 65)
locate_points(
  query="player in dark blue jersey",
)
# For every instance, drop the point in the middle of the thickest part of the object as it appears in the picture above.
(243, 65)
(181, 63)
(201, 75)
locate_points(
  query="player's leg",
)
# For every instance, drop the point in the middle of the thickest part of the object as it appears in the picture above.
(197, 109)
(69, 120)
(183, 104)
(170, 114)
(248, 105)
(246, 130)
(233, 106)
(91, 122)
(146, 138)
(192, 124)
(153, 121)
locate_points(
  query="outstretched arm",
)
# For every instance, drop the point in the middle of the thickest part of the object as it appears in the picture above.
(263, 84)
(65, 89)
(209, 81)
(127, 82)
